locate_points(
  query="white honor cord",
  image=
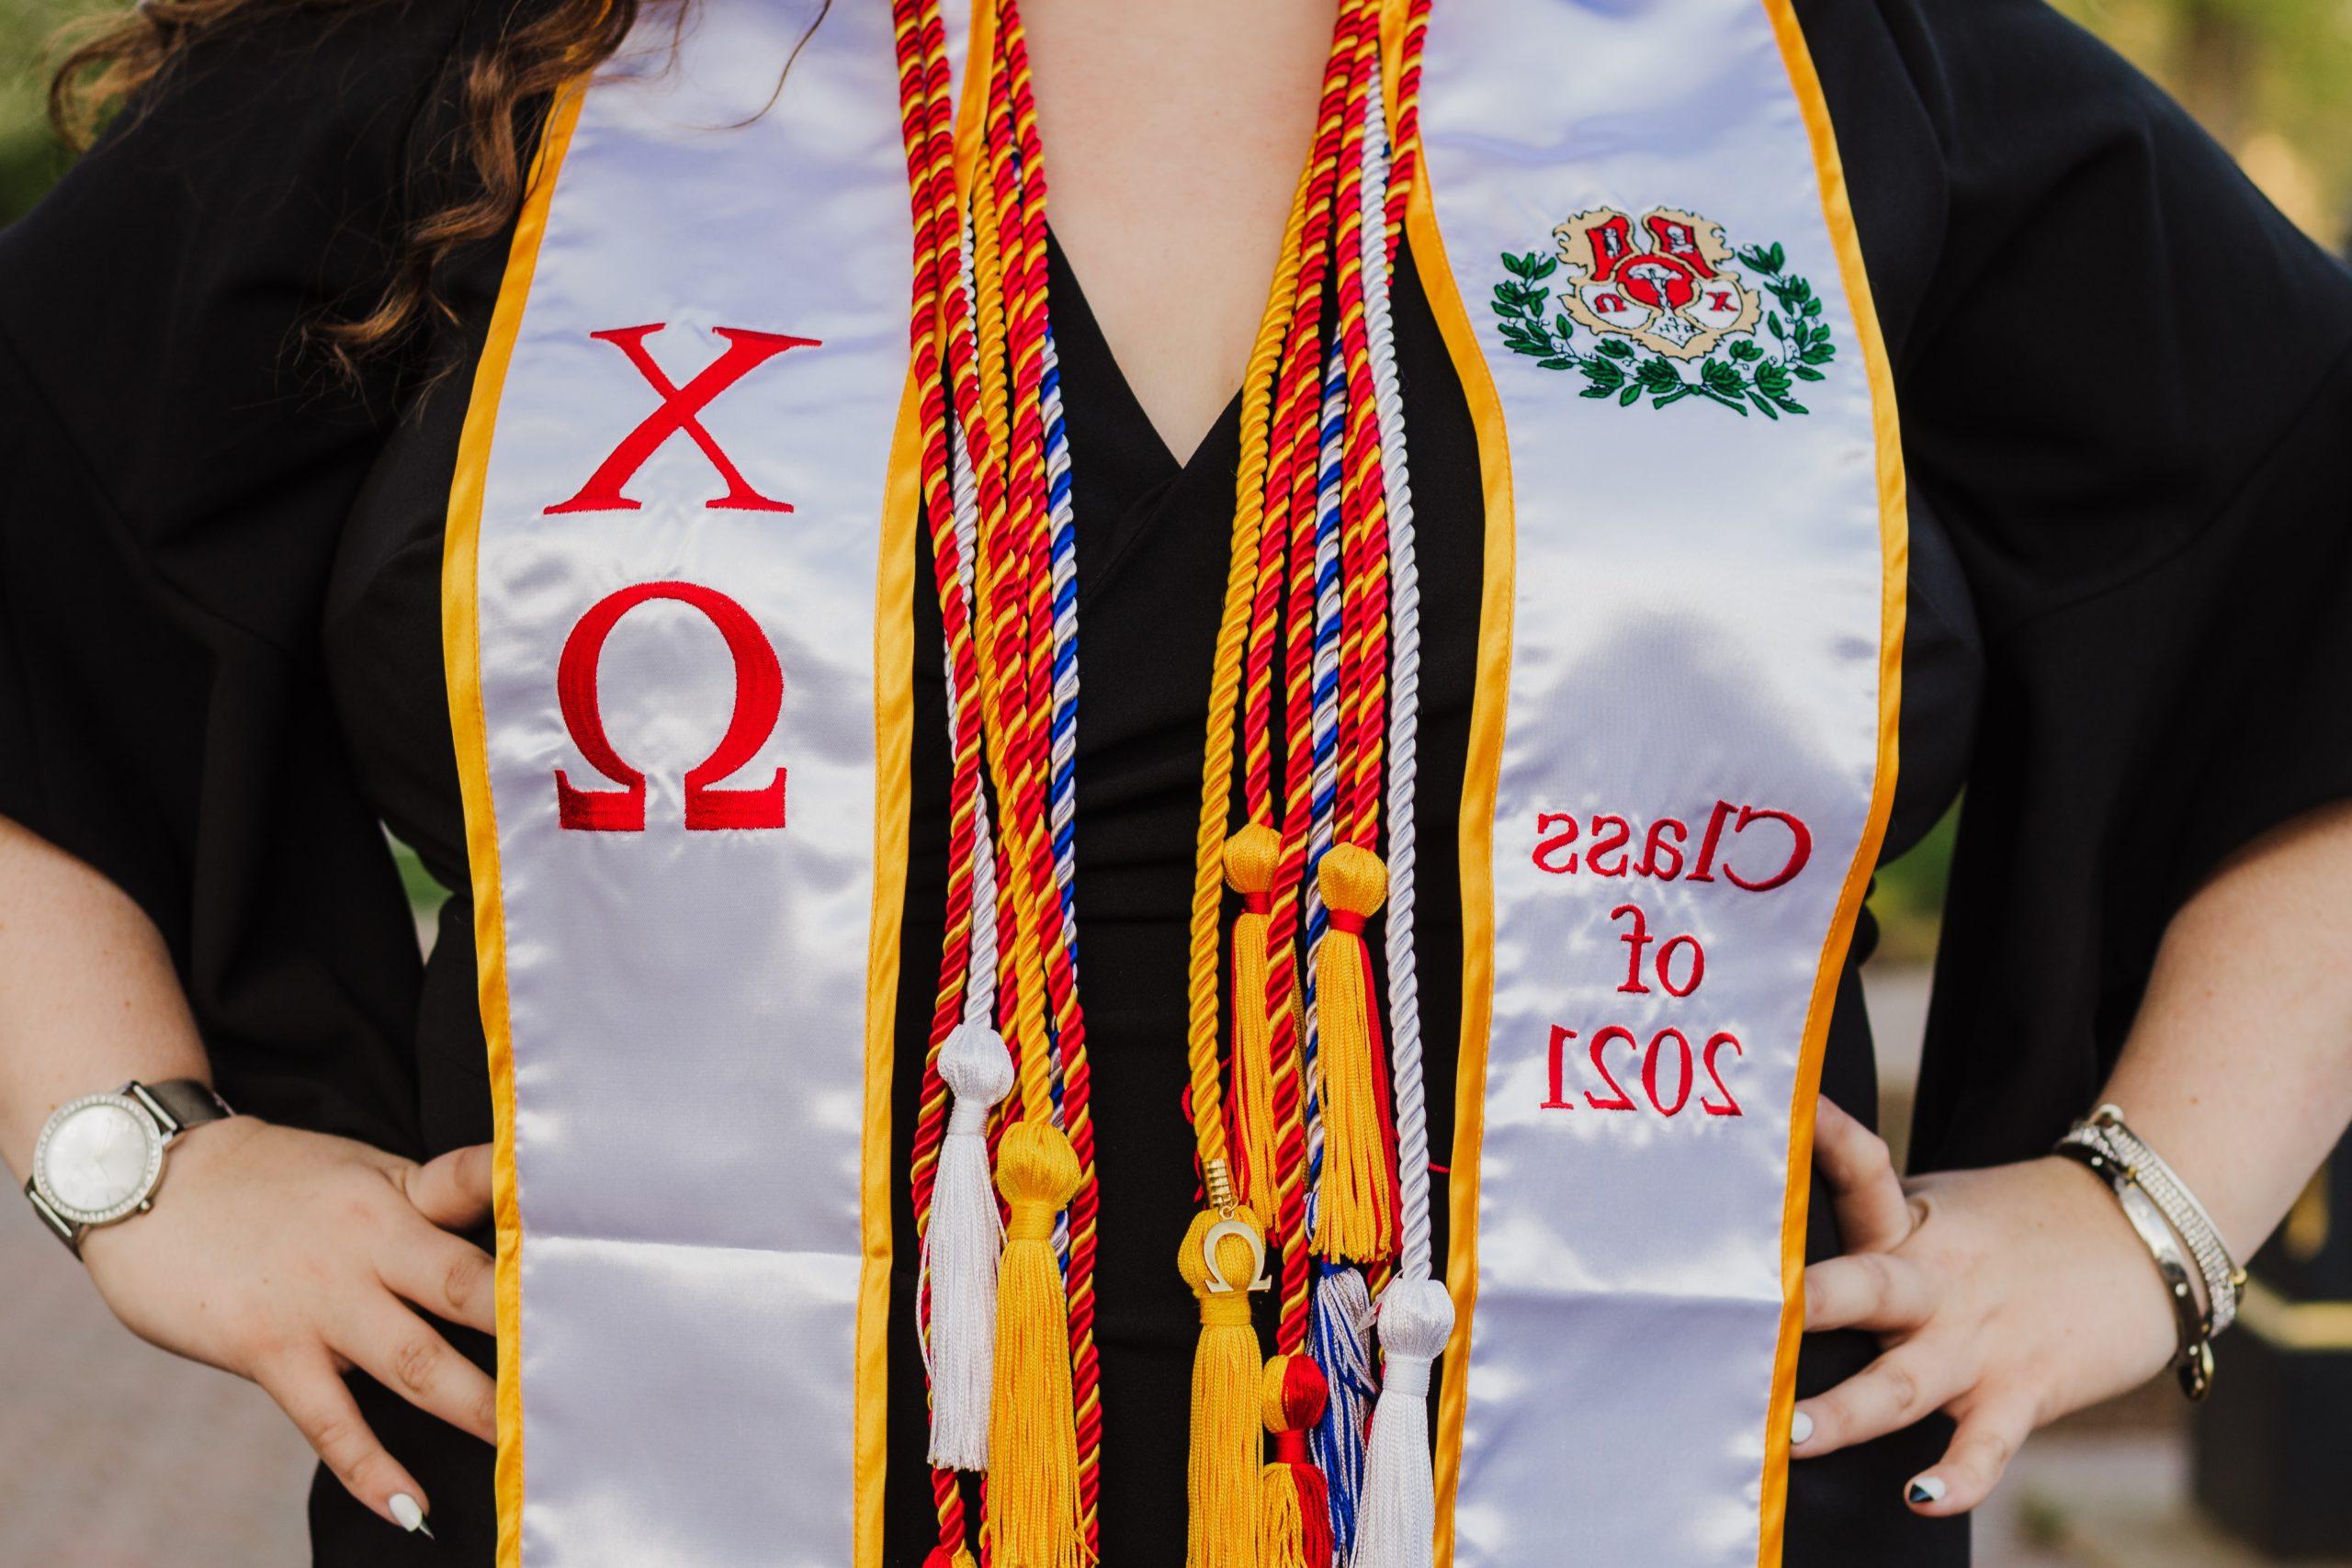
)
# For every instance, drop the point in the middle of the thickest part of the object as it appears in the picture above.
(979, 986)
(965, 1234)
(1404, 715)
(979, 991)
(1397, 1515)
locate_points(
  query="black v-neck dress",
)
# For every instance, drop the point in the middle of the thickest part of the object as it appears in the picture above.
(2125, 405)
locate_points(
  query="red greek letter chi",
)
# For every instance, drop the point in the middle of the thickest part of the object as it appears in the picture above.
(681, 409)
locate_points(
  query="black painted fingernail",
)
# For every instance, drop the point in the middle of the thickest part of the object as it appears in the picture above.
(1924, 1489)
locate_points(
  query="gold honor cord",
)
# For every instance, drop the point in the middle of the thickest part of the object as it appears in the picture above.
(1223, 1254)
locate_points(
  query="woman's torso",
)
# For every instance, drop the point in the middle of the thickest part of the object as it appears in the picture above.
(1152, 536)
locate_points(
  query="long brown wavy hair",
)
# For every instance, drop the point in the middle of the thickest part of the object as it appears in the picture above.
(476, 198)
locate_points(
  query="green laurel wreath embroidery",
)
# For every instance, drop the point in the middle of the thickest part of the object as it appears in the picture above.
(1738, 374)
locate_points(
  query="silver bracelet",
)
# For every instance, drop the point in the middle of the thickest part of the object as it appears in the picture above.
(2193, 1355)
(2222, 1279)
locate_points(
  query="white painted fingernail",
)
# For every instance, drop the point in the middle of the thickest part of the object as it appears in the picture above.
(1800, 1427)
(1924, 1489)
(407, 1515)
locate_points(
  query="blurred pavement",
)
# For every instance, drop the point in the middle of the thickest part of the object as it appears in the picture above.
(115, 1455)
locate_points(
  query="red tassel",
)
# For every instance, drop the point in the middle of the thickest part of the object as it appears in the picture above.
(1294, 1501)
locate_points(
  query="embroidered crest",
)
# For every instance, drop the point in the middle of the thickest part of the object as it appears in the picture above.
(1663, 308)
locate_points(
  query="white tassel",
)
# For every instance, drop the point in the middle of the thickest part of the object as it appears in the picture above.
(1397, 1521)
(964, 1242)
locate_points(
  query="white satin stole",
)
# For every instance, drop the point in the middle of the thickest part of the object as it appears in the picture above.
(1702, 624)
(690, 1023)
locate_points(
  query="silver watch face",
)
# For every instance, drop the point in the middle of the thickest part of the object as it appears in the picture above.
(98, 1157)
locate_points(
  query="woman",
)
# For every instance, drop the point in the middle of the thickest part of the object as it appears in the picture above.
(290, 335)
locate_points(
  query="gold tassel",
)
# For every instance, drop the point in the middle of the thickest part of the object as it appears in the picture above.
(1294, 1501)
(1251, 857)
(1033, 1433)
(1222, 1467)
(1355, 1220)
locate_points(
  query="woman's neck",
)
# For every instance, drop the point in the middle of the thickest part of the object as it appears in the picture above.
(1174, 136)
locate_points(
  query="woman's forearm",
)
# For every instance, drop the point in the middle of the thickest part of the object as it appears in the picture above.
(282, 1255)
(2238, 1069)
(88, 997)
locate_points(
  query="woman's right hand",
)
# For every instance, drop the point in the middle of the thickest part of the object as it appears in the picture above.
(288, 1257)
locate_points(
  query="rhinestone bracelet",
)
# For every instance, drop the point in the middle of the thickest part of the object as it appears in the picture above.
(2134, 1165)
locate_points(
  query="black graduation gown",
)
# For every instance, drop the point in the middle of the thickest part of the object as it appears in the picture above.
(2124, 395)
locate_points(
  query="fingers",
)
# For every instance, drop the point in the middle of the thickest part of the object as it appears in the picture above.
(453, 1190)
(1884, 1292)
(449, 1277)
(313, 1394)
(446, 1277)
(402, 1351)
(1889, 1394)
(1864, 1192)
(1989, 1434)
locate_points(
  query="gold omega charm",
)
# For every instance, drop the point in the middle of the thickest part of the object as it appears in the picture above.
(1232, 1221)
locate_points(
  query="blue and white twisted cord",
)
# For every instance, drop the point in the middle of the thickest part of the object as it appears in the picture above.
(1061, 808)
(1339, 1316)
(1062, 550)
(1340, 1336)
(1324, 810)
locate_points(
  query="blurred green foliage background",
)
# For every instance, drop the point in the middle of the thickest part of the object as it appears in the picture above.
(29, 156)
(2267, 78)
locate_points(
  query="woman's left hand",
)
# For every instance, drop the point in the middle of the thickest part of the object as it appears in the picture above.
(2004, 1297)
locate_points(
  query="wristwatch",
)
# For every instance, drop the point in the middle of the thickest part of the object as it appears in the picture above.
(100, 1157)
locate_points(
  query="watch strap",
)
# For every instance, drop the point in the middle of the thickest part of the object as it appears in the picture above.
(70, 1232)
(178, 1104)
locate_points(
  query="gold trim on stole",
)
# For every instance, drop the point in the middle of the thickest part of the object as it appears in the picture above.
(461, 667)
(1894, 555)
(894, 656)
